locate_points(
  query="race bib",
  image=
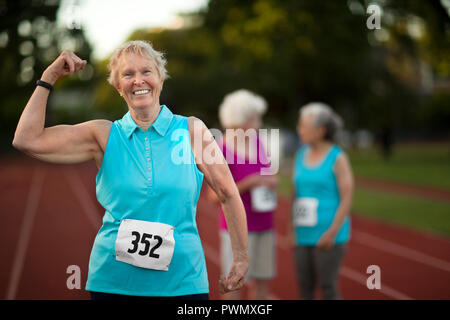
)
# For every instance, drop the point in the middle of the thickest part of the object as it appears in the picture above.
(305, 212)
(145, 244)
(263, 199)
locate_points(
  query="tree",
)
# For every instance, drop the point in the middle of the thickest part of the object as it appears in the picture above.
(29, 41)
(296, 51)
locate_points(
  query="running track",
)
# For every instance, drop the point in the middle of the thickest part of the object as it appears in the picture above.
(50, 217)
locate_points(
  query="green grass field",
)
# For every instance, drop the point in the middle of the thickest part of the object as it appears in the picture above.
(421, 214)
(426, 165)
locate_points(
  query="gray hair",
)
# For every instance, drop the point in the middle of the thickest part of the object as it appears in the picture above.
(142, 48)
(325, 117)
(238, 106)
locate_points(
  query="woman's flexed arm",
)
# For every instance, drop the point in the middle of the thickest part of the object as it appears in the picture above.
(63, 143)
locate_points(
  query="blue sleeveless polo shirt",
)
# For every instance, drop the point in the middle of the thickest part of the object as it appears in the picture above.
(319, 181)
(145, 176)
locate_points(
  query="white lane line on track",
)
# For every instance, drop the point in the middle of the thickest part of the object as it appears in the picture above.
(353, 275)
(25, 232)
(362, 279)
(395, 249)
(383, 245)
(386, 246)
(84, 200)
(399, 250)
(283, 243)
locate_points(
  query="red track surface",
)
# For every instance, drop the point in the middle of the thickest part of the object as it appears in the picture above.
(50, 217)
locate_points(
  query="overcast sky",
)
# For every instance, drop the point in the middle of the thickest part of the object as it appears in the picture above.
(107, 23)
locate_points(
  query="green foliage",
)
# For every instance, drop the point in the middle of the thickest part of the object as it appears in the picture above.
(296, 51)
(29, 41)
(292, 52)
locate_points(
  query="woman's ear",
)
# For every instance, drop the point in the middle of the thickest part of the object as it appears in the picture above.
(323, 132)
(119, 90)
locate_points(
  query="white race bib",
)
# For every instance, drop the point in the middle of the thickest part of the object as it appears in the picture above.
(305, 212)
(145, 244)
(263, 199)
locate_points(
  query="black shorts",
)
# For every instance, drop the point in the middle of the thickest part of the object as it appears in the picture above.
(122, 297)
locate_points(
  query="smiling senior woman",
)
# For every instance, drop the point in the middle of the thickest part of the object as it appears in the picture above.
(148, 245)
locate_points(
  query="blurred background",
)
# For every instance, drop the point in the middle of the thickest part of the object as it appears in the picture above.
(390, 83)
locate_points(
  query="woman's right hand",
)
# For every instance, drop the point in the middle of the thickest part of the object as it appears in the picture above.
(67, 63)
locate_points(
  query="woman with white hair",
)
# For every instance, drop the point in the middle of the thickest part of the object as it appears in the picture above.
(148, 245)
(241, 115)
(323, 190)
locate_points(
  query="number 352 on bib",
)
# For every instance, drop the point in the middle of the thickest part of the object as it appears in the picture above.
(145, 244)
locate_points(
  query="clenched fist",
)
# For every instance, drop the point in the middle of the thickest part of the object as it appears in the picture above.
(67, 63)
(236, 276)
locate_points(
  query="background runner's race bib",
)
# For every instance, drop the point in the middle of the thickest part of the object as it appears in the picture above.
(305, 212)
(263, 199)
(145, 244)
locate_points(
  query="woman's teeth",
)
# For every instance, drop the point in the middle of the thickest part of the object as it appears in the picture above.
(141, 92)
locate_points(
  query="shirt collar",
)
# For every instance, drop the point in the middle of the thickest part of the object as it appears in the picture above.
(161, 123)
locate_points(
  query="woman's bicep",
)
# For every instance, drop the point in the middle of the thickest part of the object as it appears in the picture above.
(220, 180)
(66, 143)
(210, 160)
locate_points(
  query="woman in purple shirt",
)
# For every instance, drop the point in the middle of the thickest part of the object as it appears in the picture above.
(240, 114)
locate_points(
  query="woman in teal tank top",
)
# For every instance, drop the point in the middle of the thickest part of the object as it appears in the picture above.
(323, 191)
(150, 174)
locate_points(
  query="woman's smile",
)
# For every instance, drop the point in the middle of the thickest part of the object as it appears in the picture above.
(141, 92)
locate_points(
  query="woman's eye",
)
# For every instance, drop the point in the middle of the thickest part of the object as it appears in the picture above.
(147, 71)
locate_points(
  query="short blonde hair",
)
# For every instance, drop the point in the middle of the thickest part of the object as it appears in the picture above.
(238, 106)
(142, 48)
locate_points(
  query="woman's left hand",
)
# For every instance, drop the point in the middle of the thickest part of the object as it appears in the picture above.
(236, 276)
(326, 241)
